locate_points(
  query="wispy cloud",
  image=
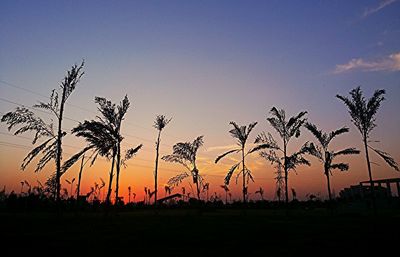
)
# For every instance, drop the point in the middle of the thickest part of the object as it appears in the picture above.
(382, 4)
(221, 148)
(389, 63)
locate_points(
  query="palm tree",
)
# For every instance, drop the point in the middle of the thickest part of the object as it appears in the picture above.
(287, 129)
(160, 123)
(104, 138)
(363, 115)
(185, 154)
(241, 133)
(327, 156)
(52, 147)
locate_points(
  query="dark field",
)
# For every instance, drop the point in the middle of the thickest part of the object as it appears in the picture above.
(189, 232)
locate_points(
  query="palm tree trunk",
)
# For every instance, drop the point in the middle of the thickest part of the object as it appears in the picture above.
(244, 177)
(118, 170)
(79, 179)
(110, 180)
(329, 185)
(156, 168)
(59, 149)
(370, 173)
(286, 174)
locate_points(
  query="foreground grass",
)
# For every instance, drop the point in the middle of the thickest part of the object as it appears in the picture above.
(194, 233)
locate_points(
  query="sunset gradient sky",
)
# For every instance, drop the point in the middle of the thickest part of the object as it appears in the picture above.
(203, 63)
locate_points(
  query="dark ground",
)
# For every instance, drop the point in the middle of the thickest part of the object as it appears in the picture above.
(190, 232)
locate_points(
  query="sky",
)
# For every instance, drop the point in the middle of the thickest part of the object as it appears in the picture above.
(203, 63)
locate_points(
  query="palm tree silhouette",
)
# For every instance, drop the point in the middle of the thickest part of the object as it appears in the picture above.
(104, 138)
(287, 129)
(160, 123)
(185, 154)
(363, 115)
(52, 147)
(241, 133)
(327, 156)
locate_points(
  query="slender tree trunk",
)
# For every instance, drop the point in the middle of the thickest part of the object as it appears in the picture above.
(244, 177)
(329, 185)
(108, 200)
(156, 168)
(226, 197)
(286, 173)
(59, 148)
(79, 178)
(118, 163)
(370, 174)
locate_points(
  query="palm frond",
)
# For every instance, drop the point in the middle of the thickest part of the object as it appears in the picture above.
(259, 147)
(132, 151)
(238, 132)
(225, 154)
(336, 133)
(33, 153)
(230, 172)
(318, 134)
(340, 166)
(347, 151)
(176, 180)
(250, 128)
(267, 139)
(388, 158)
(73, 159)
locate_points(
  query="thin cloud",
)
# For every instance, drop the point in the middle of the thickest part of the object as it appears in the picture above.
(221, 148)
(389, 63)
(382, 4)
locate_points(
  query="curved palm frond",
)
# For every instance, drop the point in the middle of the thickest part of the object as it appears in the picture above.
(340, 166)
(132, 152)
(176, 180)
(230, 173)
(336, 133)
(318, 134)
(387, 157)
(347, 151)
(227, 153)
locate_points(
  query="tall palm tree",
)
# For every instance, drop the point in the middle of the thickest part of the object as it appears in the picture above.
(52, 147)
(241, 133)
(326, 155)
(363, 115)
(185, 154)
(287, 129)
(160, 123)
(104, 138)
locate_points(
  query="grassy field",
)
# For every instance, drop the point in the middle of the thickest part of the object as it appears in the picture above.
(193, 233)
